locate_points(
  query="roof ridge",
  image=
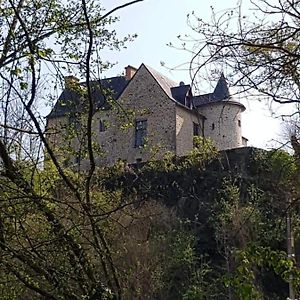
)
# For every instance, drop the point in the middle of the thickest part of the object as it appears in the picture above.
(97, 80)
(165, 82)
(160, 74)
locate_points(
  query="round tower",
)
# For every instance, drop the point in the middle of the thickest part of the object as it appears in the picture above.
(223, 123)
(223, 117)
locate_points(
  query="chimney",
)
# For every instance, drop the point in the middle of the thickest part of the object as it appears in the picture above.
(129, 72)
(71, 82)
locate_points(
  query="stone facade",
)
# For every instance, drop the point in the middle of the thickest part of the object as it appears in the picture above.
(223, 123)
(148, 115)
(142, 100)
(185, 120)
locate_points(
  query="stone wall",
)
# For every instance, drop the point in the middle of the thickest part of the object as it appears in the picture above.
(184, 129)
(169, 126)
(142, 99)
(223, 123)
(67, 141)
(55, 135)
(55, 130)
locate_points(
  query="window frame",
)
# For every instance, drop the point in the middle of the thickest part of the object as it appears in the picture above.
(101, 126)
(140, 132)
(196, 129)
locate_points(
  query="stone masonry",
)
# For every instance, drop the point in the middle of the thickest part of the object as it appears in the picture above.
(147, 116)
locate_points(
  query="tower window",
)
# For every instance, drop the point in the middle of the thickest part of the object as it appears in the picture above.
(213, 126)
(140, 133)
(239, 123)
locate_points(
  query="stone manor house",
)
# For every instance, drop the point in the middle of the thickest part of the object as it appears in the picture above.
(141, 116)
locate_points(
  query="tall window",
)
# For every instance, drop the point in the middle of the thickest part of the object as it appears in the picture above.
(196, 129)
(102, 126)
(140, 132)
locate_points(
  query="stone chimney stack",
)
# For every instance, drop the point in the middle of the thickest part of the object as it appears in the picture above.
(129, 72)
(71, 82)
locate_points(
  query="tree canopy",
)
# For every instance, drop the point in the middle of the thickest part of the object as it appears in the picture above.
(41, 41)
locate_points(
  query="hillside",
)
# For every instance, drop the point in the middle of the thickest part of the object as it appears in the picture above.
(233, 203)
(206, 226)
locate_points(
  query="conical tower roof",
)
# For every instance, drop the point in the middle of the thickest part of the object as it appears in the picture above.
(221, 91)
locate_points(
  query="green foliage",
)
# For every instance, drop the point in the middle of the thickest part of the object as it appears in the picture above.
(202, 154)
(282, 165)
(235, 209)
(153, 251)
(10, 288)
(254, 258)
(180, 228)
(202, 284)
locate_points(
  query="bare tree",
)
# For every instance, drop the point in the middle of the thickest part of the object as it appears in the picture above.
(51, 238)
(258, 48)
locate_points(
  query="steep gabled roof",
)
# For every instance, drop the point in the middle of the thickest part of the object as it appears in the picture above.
(70, 101)
(165, 82)
(175, 92)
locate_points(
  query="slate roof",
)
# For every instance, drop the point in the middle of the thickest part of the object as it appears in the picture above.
(220, 93)
(70, 101)
(203, 99)
(165, 82)
(181, 92)
(175, 92)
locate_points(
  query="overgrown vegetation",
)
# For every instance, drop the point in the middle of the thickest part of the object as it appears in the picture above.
(200, 227)
(235, 208)
(206, 226)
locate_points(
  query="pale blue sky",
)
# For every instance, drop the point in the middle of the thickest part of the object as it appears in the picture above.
(158, 22)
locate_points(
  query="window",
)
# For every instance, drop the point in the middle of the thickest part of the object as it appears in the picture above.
(212, 126)
(77, 159)
(196, 129)
(102, 126)
(239, 123)
(140, 133)
(74, 122)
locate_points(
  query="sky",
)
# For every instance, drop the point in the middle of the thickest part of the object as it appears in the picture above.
(159, 22)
